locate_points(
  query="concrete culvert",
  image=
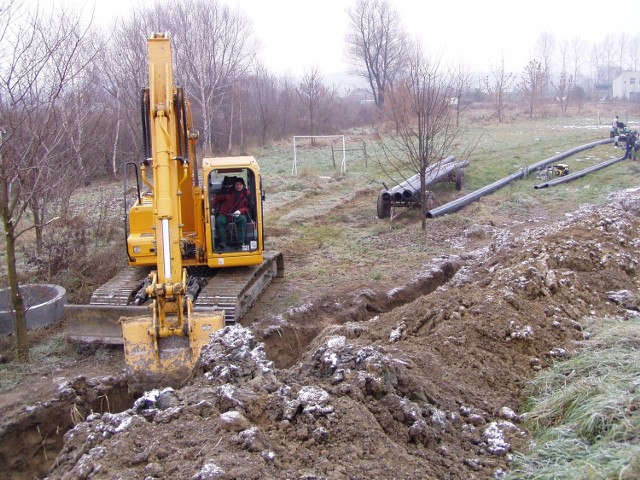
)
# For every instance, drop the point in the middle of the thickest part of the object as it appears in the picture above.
(44, 304)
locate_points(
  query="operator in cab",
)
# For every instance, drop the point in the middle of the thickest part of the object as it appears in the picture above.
(232, 206)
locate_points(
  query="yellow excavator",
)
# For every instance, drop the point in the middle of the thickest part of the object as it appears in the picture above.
(182, 284)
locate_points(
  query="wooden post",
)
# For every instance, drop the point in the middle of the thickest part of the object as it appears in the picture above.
(366, 157)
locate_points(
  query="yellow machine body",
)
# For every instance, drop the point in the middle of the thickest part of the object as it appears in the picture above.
(183, 282)
(199, 235)
(172, 227)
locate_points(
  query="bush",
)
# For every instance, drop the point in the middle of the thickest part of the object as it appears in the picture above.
(77, 256)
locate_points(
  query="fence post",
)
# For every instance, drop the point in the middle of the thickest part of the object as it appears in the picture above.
(366, 157)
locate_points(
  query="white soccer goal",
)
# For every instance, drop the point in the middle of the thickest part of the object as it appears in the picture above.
(294, 167)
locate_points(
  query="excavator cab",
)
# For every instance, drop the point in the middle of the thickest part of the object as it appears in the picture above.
(240, 232)
(241, 248)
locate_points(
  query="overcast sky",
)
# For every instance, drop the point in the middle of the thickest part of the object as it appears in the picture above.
(297, 35)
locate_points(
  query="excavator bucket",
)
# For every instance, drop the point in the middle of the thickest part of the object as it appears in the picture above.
(153, 361)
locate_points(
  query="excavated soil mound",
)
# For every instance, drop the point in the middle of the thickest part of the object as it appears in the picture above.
(427, 389)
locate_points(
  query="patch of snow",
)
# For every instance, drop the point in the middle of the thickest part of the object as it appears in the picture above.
(268, 455)
(330, 359)
(521, 333)
(301, 309)
(559, 353)
(438, 418)
(395, 291)
(209, 471)
(397, 332)
(339, 341)
(231, 416)
(150, 398)
(508, 414)
(310, 394)
(494, 437)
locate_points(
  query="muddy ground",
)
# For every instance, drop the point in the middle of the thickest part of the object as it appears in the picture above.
(418, 377)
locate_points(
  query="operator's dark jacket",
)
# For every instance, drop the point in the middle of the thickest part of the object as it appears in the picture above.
(232, 201)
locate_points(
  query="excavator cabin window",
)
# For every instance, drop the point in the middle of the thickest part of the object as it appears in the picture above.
(236, 236)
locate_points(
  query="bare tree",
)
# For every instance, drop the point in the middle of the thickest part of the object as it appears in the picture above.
(123, 73)
(39, 63)
(265, 92)
(316, 98)
(376, 45)
(424, 121)
(497, 85)
(563, 89)
(545, 47)
(603, 59)
(286, 100)
(214, 47)
(461, 83)
(533, 84)
(632, 56)
(622, 47)
(577, 52)
(564, 85)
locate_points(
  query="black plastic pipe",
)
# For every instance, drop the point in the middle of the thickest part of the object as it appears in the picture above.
(578, 174)
(406, 189)
(523, 172)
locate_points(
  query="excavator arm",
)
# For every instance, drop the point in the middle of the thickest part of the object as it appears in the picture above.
(165, 345)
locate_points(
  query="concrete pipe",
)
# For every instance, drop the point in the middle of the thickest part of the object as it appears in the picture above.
(44, 304)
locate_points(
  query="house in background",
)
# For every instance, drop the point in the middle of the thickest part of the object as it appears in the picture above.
(627, 86)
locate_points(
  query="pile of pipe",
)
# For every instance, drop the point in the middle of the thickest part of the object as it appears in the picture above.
(410, 188)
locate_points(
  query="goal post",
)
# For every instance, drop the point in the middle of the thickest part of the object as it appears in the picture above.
(343, 163)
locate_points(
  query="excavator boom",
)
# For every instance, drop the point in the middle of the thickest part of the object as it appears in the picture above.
(165, 344)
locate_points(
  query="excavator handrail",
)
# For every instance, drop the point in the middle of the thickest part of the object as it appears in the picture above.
(135, 166)
(124, 199)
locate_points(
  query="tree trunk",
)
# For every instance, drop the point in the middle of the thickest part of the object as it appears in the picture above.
(17, 302)
(423, 195)
(206, 126)
(241, 127)
(114, 154)
(230, 129)
(37, 225)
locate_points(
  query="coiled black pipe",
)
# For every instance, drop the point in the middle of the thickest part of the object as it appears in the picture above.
(473, 196)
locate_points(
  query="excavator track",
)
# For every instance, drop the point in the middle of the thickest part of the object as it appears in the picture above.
(233, 290)
(120, 289)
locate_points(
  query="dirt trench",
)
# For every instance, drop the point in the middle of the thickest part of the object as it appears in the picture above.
(287, 336)
(418, 382)
(31, 437)
(30, 440)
